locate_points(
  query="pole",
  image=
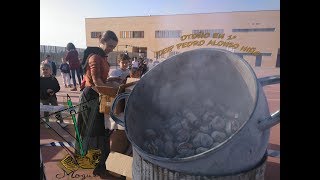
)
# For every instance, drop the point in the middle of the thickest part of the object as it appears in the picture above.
(116, 58)
(75, 125)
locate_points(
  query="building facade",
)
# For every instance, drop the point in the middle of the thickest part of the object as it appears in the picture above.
(254, 35)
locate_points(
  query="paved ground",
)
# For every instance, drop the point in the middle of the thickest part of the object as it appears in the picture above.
(53, 154)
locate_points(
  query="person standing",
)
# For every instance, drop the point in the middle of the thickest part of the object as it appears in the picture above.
(52, 64)
(65, 73)
(73, 59)
(49, 86)
(135, 63)
(90, 123)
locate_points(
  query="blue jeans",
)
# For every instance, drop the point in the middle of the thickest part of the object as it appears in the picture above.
(73, 71)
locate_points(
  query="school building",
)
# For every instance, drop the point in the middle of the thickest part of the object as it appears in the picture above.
(254, 35)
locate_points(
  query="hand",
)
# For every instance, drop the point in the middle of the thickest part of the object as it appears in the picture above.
(114, 79)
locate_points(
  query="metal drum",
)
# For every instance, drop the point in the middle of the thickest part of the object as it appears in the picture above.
(200, 112)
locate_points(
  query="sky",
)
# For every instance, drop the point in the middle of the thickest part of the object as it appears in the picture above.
(63, 21)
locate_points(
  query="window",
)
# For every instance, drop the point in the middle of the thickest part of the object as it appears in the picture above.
(157, 55)
(255, 30)
(173, 53)
(131, 34)
(168, 34)
(95, 34)
(211, 31)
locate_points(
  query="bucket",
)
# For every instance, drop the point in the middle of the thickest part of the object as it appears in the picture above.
(143, 169)
(200, 112)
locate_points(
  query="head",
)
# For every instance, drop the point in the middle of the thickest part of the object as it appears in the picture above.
(48, 57)
(123, 61)
(45, 69)
(108, 41)
(135, 72)
(70, 46)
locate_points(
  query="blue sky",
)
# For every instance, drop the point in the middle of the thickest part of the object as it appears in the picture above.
(63, 21)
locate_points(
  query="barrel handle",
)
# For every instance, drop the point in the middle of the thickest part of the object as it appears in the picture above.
(274, 119)
(114, 105)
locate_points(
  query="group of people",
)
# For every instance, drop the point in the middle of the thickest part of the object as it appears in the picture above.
(70, 67)
(49, 85)
(95, 65)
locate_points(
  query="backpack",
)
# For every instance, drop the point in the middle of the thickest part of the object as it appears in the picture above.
(87, 52)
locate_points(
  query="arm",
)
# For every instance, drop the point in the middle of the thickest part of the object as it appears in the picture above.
(94, 66)
(94, 63)
(67, 56)
(43, 91)
(56, 87)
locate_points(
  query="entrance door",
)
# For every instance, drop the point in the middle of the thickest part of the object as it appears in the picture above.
(258, 61)
(141, 50)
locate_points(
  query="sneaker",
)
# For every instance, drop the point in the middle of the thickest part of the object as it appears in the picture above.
(65, 86)
(69, 86)
(47, 126)
(62, 124)
(73, 89)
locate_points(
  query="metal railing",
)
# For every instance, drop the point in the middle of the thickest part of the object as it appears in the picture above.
(56, 52)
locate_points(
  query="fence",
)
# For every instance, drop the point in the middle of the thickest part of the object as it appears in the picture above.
(56, 53)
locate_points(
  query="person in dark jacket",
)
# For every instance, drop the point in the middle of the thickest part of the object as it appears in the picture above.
(49, 86)
(65, 73)
(52, 64)
(72, 57)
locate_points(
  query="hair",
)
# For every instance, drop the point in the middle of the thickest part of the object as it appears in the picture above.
(134, 70)
(123, 57)
(70, 46)
(108, 35)
(48, 55)
(45, 65)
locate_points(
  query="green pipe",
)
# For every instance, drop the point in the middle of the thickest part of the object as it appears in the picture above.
(75, 125)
